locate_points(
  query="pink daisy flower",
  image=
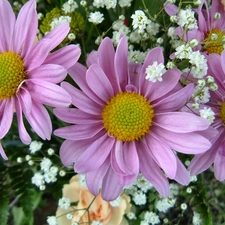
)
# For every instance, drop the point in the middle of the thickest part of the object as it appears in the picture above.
(210, 30)
(216, 154)
(29, 73)
(124, 123)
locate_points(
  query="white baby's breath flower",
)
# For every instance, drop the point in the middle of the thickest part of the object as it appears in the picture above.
(110, 4)
(196, 220)
(60, 20)
(125, 3)
(64, 203)
(37, 179)
(35, 146)
(140, 20)
(139, 198)
(45, 164)
(187, 19)
(151, 218)
(155, 71)
(69, 6)
(52, 220)
(208, 114)
(96, 17)
(116, 202)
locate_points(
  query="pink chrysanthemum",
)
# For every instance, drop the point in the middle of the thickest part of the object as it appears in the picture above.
(211, 26)
(29, 73)
(125, 124)
(216, 154)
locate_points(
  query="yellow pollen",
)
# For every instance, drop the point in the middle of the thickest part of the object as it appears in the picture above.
(12, 73)
(128, 116)
(222, 112)
(214, 44)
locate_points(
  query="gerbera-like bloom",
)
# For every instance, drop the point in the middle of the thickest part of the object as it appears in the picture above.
(211, 26)
(216, 154)
(125, 124)
(29, 73)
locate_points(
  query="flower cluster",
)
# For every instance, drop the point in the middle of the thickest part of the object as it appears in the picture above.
(128, 96)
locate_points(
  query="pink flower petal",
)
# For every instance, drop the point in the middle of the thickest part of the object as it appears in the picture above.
(189, 143)
(66, 56)
(7, 18)
(76, 116)
(79, 132)
(174, 101)
(180, 122)
(25, 99)
(106, 55)
(219, 163)
(117, 159)
(39, 120)
(6, 116)
(49, 72)
(78, 73)
(151, 170)
(182, 175)
(25, 28)
(38, 54)
(71, 150)
(94, 178)
(48, 93)
(97, 152)
(2, 152)
(162, 155)
(121, 62)
(24, 136)
(111, 189)
(170, 9)
(156, 90)
(132, 163)
(202, 162)
(99, 83)
(58, 34)
(81, 101)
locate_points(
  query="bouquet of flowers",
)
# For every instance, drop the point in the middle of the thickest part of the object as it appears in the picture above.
(112, 112)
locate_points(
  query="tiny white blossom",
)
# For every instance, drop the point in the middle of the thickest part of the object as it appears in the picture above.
(110, 4)
(62, 173)
(64, 203)
(27, 157)
(82, 180)
(208, 114)
(155, 71)
(151, 218)
(152, 28)
(50, 151)
(139, 198)
(189, 190)
(52, 220)
(50, 177)
(187, 19)
(69, 6)
(30, 162)
(35, 146)
(69, 216)
(164, 204)
(19, 159)
(131, 216)
(125, 3)
(98, 3)
(201, 95)
(116, 202)
(37, 179)
(183, 51)
(140, 20)
(42, 187)
(96, 17)
(196, 220)
(71, 36)
(83, 3)
(183, 206)
(54, 169)
(45, 164)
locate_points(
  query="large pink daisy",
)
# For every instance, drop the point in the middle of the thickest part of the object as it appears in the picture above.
(216, 154)
(125, 124)
(29, 73)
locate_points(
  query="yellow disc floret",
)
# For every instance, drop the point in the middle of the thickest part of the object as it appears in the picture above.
(222, 112)
(128, 116)
(214, 41)
(12, 73)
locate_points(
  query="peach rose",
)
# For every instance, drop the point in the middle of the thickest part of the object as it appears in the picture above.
(99, 210)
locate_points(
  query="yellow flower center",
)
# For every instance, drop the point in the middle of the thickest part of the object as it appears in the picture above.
(222, 112)
(214, 41)
(128, 116)
(12, 73)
